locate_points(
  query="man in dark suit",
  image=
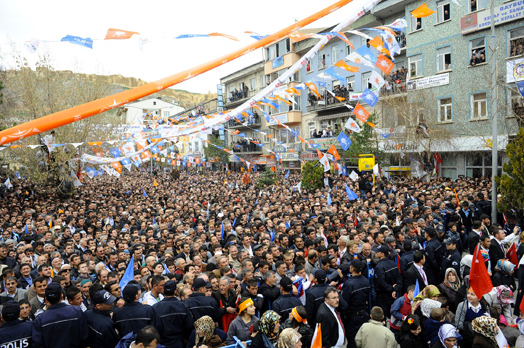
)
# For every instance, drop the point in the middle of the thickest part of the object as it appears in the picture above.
(474, 236)
(330, 321)
(415, 272)
(496, 250)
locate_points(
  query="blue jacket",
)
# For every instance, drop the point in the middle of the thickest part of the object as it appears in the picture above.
(132, 317)
(16, 333)
(102, 333)
(173, 321)
(60, 326)
(200, 305)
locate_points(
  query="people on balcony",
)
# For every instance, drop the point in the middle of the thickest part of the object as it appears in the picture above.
(245, 145)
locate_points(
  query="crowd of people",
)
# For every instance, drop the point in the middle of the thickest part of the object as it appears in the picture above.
(235, 94)
(210, 260)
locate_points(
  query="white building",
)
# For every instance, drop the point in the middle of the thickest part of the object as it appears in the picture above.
(154, 106)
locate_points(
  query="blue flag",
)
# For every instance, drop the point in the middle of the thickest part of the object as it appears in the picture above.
(520, 86)
(369, 97)
(115, 152)
(417, 289)
(287, 175)
(222, 230)
(344, 141)
(144, 191)
(234, 221)
(365, 52)
(166, 271)
(87, 42)
(329, 199)
(351, 195)
(26, 229)
(344, 170)
(18, 175)
(331, 71)
(128, 275)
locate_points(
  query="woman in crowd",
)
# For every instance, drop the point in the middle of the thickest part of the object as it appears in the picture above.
(289, 338)
(244, 324)
(448, 337)
(430, 292)
(410, 335)
(206, 334)
(501, 298)
(298, 321)
(269, 328)
(449, 287)
(485, 329)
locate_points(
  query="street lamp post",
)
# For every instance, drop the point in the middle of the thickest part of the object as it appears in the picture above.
(494, 127)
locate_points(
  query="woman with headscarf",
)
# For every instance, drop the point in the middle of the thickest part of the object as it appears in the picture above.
(269, 328)
(289, 338)
(503, 274)
(449, 287)
(430, 291)
(449, 337)
(467, 311)
(298, 321)
(501, 298)
(244, 324)
(206, 334)
(410, 335)
(486, 330)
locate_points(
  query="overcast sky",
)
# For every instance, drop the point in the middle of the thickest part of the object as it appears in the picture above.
(158, 21)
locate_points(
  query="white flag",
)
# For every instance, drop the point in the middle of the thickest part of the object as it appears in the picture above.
(358, 59)
(376, 80)
(352, 125)
(325, 162)
(8, 184)
(353, 176)
(376, 170)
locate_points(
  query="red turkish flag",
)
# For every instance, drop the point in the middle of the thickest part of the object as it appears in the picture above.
(512, 255)
(479, 278)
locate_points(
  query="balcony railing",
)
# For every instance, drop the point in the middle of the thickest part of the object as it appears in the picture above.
(327, 100)
(245, 147)
(236, 97)
(251, 121)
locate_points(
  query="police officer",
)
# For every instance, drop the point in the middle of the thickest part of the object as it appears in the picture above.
(433, 253)
(102, 331)
(315, 296)
(60, 325)
(173, 318)
(199, 304)
(356, 293)
(14, 332)
(133, 315)
(451, 257)
(387, 280)
(286, 302)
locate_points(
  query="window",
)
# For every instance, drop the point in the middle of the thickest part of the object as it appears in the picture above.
(349, 50)
(479, 106)
(166, 113)
(351, 83)
(477, 49)
(443, 9)
(262, 80)
(445, 108)
(365, 81)
(480, 163)
(444, 58)
(475, 5)
(293, 106)
(271, 52)
(516, 42)
(296, 76)
(416, 24)
(253, 83)
(334, 54)
(415, 65)
(321, 61)
(311, 128)
(516, 103)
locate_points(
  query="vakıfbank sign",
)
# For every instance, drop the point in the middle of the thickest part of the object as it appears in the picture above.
(507, 12)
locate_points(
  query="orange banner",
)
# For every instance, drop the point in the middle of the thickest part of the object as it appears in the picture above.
(96, 107)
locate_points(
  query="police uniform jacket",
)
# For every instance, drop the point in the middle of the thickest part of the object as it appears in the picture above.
(356, 293)
(173, 321)
(16, 333)
(284, 304)
(132, 317)
(314, 298)
(200, 305)
(102, 332)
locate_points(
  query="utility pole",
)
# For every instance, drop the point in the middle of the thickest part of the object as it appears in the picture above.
(494, 128)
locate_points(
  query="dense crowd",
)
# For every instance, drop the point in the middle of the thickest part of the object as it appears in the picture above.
(211, 258)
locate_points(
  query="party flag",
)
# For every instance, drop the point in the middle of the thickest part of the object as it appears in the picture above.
(235, 221)
(417, 289)
(26, 229)
(317, 337)
(87, 42)
(422, 11)
(333, 150)
(378, 44)
(155, 183)
(222, 230)
(358, 59)
(352, 125)
(287, 175)
(361, 113)
(344, 38)
(384, 64)
(331, 71)
(8, 184)
(351, 195)
(344, 141)
(319, 154)
(479, 278)
(398, 24)
(369, 97)
(325, 162)
(129, 274)
(313, 88)
(144, 192)
(119, 34)
(365, 52)
(376, 80)
(520, 87)
(341, 64)
(329, 199)
(224, 35)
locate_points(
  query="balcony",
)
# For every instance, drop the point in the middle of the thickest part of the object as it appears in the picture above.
(286, 61)
(246, 122)
(328, 101)
(245, 147)
(236, 97)
(288, 117)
